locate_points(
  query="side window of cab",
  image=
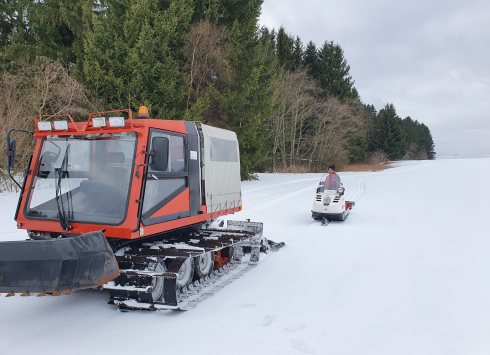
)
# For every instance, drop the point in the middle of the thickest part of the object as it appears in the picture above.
(163, 183)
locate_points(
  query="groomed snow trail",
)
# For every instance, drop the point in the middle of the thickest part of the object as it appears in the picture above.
(408, 272)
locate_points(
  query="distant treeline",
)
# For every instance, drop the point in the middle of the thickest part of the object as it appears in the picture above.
(291, 105)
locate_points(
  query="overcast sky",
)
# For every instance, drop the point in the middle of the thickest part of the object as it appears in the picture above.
(430, 58)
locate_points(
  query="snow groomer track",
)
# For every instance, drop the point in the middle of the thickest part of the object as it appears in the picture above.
(138, 267)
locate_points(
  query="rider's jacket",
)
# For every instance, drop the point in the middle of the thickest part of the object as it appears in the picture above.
(332, 182)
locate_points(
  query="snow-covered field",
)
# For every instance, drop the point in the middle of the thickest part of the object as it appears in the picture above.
(407, 273)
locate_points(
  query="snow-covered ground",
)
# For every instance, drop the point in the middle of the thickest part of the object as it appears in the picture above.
(407, 273)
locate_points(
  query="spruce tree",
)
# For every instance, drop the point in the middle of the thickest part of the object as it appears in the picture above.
(132, 55)
(388, 135)
(418, 138)
(248, 102)
(333, 72)
(297, 57)
(310, 60)
(54, 29)
(9, 17)
(427, 142)
(285, 49)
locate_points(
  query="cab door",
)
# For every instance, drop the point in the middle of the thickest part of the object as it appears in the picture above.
(166, 194)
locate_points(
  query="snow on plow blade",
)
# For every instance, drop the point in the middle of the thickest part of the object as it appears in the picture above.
(56, 266)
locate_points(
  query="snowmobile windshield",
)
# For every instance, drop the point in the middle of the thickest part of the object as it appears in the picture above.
(332, 182)
(95, 182)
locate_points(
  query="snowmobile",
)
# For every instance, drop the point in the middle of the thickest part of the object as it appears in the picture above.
(329, 203)
(130, 206)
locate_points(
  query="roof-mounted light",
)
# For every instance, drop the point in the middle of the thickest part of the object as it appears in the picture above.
(116, 122)
(61, 125)
(44, 126)
(143, 112)
(98, 122)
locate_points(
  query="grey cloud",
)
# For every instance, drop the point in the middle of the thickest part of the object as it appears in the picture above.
(429, 58)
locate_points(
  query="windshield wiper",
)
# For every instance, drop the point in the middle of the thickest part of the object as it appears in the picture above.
(62, 172)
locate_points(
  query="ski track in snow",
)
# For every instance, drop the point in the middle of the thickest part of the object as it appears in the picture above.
(267, 187)
(359, 189)
(299, 231)
(355, 195)
(282, 198)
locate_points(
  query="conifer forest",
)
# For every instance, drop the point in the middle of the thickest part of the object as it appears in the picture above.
(293, 104)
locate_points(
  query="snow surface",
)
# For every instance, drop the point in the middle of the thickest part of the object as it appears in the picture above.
(408, 272)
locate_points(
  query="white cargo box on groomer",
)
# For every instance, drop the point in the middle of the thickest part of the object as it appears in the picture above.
(221, 169)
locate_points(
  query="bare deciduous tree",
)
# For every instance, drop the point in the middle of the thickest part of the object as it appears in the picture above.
(295, 105)
(307, 130)
(378, 157)
(44, 88)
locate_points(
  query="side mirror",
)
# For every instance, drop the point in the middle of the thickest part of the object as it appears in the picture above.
(159, 153)
(11, 154)
(340, 190)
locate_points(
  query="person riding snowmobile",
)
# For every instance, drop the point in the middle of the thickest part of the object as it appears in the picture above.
(332, 182)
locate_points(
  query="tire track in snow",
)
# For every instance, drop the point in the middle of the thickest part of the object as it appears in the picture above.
(360, 186)
(309, 189)
(282, 198)
(356, 195)
(278, 184)
(359, 190)
(299, 231)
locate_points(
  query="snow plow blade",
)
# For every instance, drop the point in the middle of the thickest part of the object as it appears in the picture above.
(56, 266)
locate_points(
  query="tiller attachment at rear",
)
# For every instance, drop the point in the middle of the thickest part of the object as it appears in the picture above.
(56, 266)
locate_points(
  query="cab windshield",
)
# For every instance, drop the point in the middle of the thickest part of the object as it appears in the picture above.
(91, 175)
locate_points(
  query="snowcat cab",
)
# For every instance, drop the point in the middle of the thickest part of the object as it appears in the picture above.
(126, 204)
(330, 203)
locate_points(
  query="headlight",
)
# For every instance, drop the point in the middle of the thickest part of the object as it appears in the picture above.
(98, 122)
(326, 201)
(44, 126)
(61, 125)
(116, 122)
